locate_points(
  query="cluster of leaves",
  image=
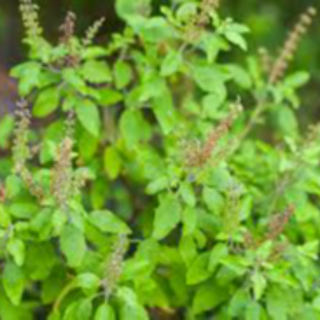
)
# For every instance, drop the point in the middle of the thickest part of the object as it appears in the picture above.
(150, 189)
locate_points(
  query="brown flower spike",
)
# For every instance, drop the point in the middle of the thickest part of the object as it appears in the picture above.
(201, 20)
(63, 173)
(278, 223)
(68, 28)
(281, 65)
(21, 149)
(68, 32)
(198, 155)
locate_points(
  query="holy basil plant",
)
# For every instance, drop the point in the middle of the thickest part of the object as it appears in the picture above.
(162, 174)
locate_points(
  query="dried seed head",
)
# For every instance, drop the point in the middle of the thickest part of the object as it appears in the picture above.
(93, 31)
(219, 132)
(70, 125)
(68, 28)
(231, 213)
(114, 266)
(30, 18)
(68, 34)
(201, 20)
(67, 182)
(21, 150)
(265, 59)
(312, 135)
(192, 153)
(62, 176)
(282, 63)
(206, 6)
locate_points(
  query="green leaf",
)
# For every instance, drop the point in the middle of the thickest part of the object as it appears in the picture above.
(13, 282)
(71, 312)
(157, 185)
(189, 220)
(107, 221)
(213, 199)
(112, 162)
(297, 79)
(253, 311)
(127, 9)
(237, 264)
(122, 74)
(199, 270)
(6, 129)
(237, 39)
(208, 297)
(164, 111)
(154, 30)
(286, 121)
(240, 76)
(13, 186)
(130, 306)
(171, 63)
(218, 252)
(213, 101)
(73, 245)
(277, 304)
(234, 33)
(88, 145)
(210, 78)
(310, 249)
(96, 72)
(88, 282)
(188, 249)
(16, 248)
(88, 115)
(213, 44)
(23, 210)
(109, 97)
(167, 216)
(238, 303)
(47, 102)
(28, 74)
(80, 310)
(44, 252)
(259, 284)
(94, 52)
(134, 127)
(55, 315)
(187, 194)
(105, 312)
(10, 312)
(69, 103)
(186, 11)
(53, 285)
(5, 219)
(59, 220)
(74, 79)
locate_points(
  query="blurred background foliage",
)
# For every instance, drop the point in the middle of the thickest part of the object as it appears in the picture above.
(269, 21)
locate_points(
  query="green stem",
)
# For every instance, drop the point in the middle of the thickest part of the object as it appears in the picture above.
(65, 291)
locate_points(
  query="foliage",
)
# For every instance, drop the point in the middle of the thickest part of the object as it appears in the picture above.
(155, 178)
